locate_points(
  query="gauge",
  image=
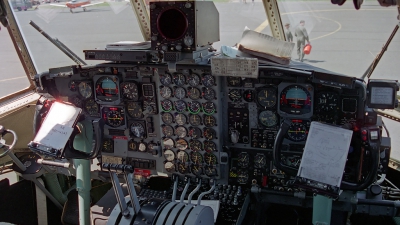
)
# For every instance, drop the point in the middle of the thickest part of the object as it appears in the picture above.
(169, 167)
(193, 80)
(180, 93)
(210, 158)
(85, 89)
(210, 171)
(166, 79)
(108, 146)
(166, 92)
(243, 159)
(151, 147)
(167, 118)
(107, 88)
(234, 81)
(142, 146)
(194, 107)
(91, 107)
(180, 131)
(150, 107)
(179, 79)
(248, 95)
(196, 170)
(114, 116)
(180, 119)
(181, 144)
(195, 132)
(166, 105)
(76, 101)
(194, 93)
(183, 156)
(326, 101)
(168, 143)
(73, 86)
(180, 105)
(295, 99)
(209, 121)
(183, 168)
(132, 145)
(266, 97)
(195, 145)
(234, 95)
(167, 130)
(209, 133)
(209, 146)
(134, 109)
(209, 108)
(194, 119)
(260, 161)
(137, 130)
(208, 94)
(242, 177)
(169, 155)
(196, 157)
(208, 80)
(130, 90)
(268, 118)
(298, 130)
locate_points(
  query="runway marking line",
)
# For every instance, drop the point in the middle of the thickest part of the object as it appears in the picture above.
(15, 78)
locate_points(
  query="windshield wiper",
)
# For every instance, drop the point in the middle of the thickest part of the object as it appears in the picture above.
(59, 45)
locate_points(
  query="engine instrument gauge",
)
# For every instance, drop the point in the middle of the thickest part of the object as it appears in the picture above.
(196, 157)
(180, 119)
(183, 156)
(248, 95)
(209, 108)
(85, 89)
(209, 146)
(298, 130)
(169, 155)
(167, 130)
(114, 116)
(234, 95)
(194, 93)
(193, 80)
(142, 146)
(260, 161)
(208, 80)
(179, 79)
(169, 167)
(180, 93)
(242, 177)
(107, 88)
(326, 101)
(180, 131)
(295, 99)
(209, 121)
(243, 159)
(195, 145)
(210, 171)
(195, 120)
(180, 105)
(91, 107)
(132, 145)
(130, 90)
(194, 132)
(194, 107)
(268, 118)
(266, 97)
(73, 86)
(167, 118)
(197, 170)
(209, 133)
(108, 146)
(137, 130)
(183, 168)
(166, 92)
(234, 81)
(210, 158)
(166, 105)
(166, 79)
(168, 143)
(134, 109)
(181, 144)
(208, 94)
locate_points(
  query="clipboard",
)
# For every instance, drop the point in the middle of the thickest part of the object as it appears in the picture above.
(56, 130)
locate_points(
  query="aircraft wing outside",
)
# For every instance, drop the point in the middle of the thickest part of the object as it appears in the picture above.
(58, 5)
(91, 4)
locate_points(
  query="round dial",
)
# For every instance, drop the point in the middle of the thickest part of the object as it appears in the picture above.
(209, 133)
(210, 171)
(134, 109)
(151, 147)
(208, 80)
(209, 121)
(169, 167)
(208, 94)
(194, 107)
(193, 80)
(85, 89)
(114, 118)
(195, 145)
(195, 120)
(132, 145)
(196, 170)
(295, 99)
(179, 79)
(248, 95)
(180, 105)
(91, 107)
(130, 91)
(166, 79)
(268, 118)
(210, 158)
(107, 87)
(108, 145)
(196, 157)
(76, 101)
(260, 161)
(242, 177)
(183, 168)
(166, 105)
(326, 101)
(169, 155)
(234, 95)
(181, 144)
(297, 131)
(167, 118)
(183, 156)
(195, 132)
(209, 146)
(166, 92)
(180, 93)
(180, 119)
(194, 93)
(168, 143)
(243, 159)
(73, 86)
(234, 81)
(180, 131)
(142, 146)
(167, 130)
(266, 97)
(209, 108)
(137, 129)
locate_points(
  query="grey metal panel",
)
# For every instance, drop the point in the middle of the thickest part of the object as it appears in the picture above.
(175, 213)
(184, 213)
(165, 213)
(200, 215)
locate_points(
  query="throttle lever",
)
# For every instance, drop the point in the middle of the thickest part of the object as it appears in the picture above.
(187, 179)
(198, 181)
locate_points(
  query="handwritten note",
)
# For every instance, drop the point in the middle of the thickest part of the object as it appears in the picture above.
(325, 153)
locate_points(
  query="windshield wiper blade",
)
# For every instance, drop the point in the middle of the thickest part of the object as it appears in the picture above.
(59, 45)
